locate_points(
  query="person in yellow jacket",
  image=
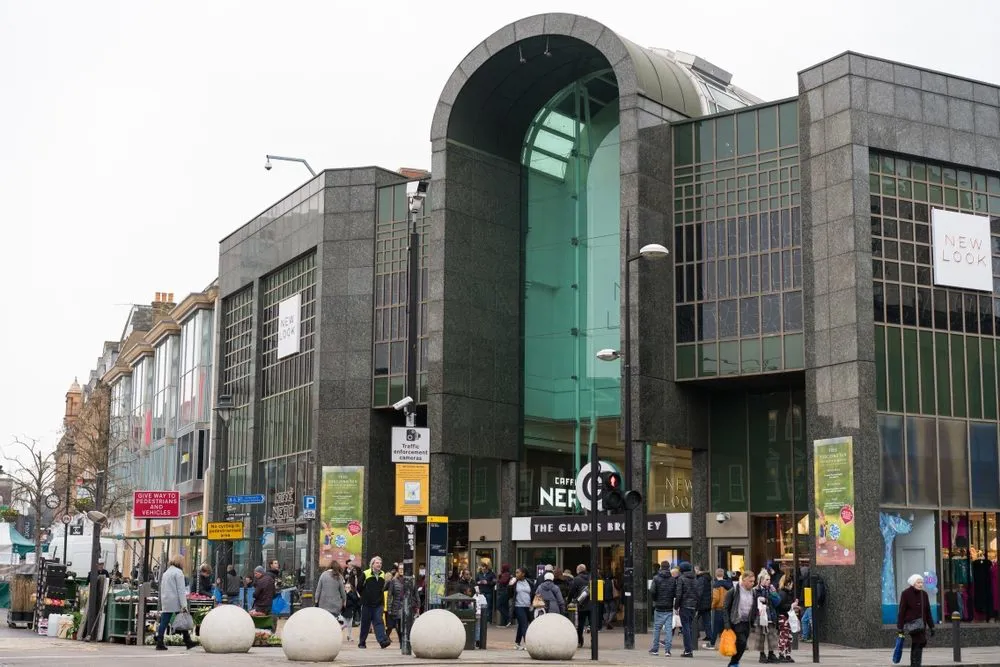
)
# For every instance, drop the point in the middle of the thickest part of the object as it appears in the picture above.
(371, 588)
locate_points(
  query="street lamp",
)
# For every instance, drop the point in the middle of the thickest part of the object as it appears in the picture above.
(98, 518)
(267, 165)
(409, 404)
(648, 251)
(224, 409)
(70, 454)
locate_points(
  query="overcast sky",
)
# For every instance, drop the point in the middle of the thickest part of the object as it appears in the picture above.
(133, 134)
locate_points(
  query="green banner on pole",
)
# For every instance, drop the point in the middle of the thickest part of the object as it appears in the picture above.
(341, 533)
(834, 487)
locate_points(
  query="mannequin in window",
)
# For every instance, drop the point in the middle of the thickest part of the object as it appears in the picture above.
(982, 584)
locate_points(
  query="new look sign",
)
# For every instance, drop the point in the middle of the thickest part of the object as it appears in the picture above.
(289, 311)
(962, 250)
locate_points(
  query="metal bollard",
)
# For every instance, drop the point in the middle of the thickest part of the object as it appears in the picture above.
(483, 625)
(956, 640)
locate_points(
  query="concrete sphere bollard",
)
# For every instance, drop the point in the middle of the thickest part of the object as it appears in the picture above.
(311, 635)
(551, 637)
(437, 634)
(227, 629)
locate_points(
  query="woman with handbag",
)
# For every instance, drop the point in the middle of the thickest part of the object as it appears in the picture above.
(173, 602)
(915, 618)
(522, 603)
(787, 604)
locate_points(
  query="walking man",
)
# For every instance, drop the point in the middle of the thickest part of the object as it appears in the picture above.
(740, 614)
(371, 587)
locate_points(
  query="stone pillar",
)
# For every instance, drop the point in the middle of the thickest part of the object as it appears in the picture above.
(640, 555)
(699, 508)
(441, 466)
(508, 508)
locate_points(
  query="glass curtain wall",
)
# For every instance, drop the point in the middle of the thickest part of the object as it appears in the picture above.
(936, 352)
(142, 402)
(121, 454)
(391, 284)
(738, 244)
(572, 273)
(286, 411)
(237, 366)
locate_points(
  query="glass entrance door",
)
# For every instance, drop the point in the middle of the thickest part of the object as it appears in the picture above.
(731, 558)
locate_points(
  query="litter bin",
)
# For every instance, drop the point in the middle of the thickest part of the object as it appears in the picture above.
(455, 603)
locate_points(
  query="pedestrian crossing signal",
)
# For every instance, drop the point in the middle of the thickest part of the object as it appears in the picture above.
(615, 497)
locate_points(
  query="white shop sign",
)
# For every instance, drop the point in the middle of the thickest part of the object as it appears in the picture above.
(962, 250)
(289, 312)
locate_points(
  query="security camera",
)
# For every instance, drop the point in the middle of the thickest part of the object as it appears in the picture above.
(722, 517)
(267, 165)
(402, 403)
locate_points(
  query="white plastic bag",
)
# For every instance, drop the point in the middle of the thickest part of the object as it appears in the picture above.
(677, 621)
(793, 622)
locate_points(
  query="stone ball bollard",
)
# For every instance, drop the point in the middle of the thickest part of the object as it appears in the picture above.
(551, 637)
(227, 629)
(311, 635)
(438, 634)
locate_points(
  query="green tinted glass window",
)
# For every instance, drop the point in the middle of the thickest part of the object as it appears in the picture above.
(794, 353)
(911, 371)
(958, 376)
(705, 140)
(927, 404)
(683, 144)
(788, 123)
(881, 399)
(746, 132)
(767, 119)
(686, 363)
(943, 374)
(989, 373)
(974, 373)
(728, 463)
(894, 368)
(725, 137)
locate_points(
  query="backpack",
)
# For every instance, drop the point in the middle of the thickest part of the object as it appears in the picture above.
(718, 597)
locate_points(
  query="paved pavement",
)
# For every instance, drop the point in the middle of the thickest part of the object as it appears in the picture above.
(21, 647)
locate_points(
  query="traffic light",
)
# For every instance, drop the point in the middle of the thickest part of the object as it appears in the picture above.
(613, 495)
(612, 487)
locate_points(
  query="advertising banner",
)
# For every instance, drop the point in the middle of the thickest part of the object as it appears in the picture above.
(341, 534)
(833, 461)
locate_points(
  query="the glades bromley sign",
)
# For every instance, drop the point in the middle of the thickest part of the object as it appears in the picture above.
(962, 250)
(289, 312)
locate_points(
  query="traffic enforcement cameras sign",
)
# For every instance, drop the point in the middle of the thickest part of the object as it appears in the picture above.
(411, 445)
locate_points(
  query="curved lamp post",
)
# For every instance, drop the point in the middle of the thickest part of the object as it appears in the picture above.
(650, 251)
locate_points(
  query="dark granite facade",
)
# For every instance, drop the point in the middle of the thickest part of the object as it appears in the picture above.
(477, 134)
(341, 231)
(849, 105)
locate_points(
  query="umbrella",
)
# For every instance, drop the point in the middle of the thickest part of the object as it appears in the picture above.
(897, 652)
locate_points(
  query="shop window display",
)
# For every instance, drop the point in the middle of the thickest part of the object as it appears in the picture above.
(969, 565)
(909, 549)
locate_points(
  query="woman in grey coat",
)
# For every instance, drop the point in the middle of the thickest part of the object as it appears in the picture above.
(173, 599)
(330, 593)
(554, 602)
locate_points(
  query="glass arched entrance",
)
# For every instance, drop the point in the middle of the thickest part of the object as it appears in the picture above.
(571, 307)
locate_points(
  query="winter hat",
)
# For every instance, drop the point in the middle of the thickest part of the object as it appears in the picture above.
(685, 566)
(549, 568)
(549, 576)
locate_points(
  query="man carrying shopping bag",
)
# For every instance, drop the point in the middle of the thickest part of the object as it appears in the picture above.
(740, 614)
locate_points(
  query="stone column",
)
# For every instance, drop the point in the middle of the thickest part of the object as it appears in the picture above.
(640, 555)
(699, 508)
(441, 466)
(508, 508)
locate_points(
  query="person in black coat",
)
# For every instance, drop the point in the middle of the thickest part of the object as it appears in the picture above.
(915, 618)
(581, 585)
(705, 605)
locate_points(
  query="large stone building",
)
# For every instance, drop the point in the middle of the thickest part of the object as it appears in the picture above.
(813, 368)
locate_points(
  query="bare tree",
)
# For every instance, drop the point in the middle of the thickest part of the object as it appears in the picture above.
(32, 481)
(102, 444)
